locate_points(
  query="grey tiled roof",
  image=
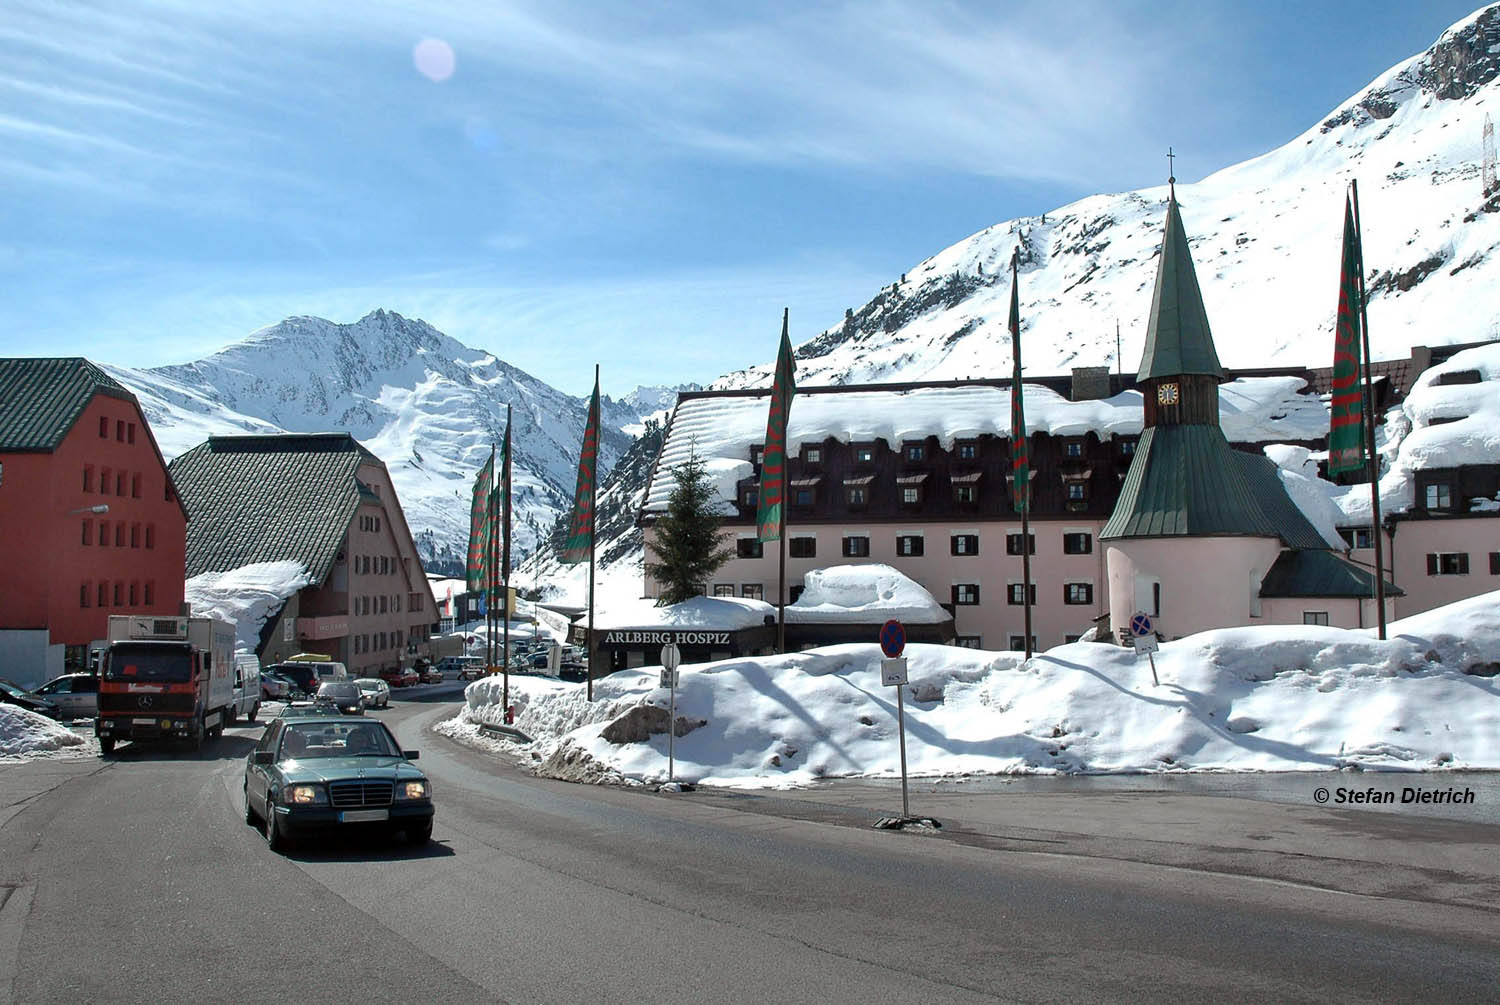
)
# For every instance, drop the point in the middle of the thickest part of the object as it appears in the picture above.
(41, 398)
(270, 498)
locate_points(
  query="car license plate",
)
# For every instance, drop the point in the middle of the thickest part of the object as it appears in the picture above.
(363, 816)
(143, 722)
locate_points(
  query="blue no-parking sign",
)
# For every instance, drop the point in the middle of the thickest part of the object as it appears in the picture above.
(892, 638)
(1141, 626)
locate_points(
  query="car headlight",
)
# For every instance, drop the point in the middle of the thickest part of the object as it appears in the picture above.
(305, 795)
(413, 790)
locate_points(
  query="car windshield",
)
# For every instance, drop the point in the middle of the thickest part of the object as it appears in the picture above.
(11, 689)
(369, 685)
(306, 740)
(130, 661)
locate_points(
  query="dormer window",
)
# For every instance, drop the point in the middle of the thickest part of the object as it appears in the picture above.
(914, 452)
(1439, 496)
(966, 450)
(966, 488)
(1127, 448)
(910, 488)
(804, 491)
(857, 491)
(756, 450)
(1073, 448)
(812, 455)
(864, 454)
(750, 497)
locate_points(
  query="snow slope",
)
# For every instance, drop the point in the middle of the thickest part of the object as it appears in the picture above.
(424, 403)
(1265, 236)
(1280, 698)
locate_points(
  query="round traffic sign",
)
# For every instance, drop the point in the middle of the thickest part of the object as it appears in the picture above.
(892, 638)
(671, 656)
(1140, 625)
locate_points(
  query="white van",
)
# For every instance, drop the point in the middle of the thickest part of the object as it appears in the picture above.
(246, 702)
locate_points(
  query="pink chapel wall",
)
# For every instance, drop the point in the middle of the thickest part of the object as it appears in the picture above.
(1206, 582)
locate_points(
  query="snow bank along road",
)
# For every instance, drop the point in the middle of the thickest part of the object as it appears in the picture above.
(543, 891)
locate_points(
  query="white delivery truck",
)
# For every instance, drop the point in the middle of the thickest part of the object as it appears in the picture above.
(246, 702)
(164, 678)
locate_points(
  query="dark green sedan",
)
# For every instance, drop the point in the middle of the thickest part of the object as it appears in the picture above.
(333, 773)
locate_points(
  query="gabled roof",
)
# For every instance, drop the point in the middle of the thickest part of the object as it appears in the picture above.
(270, 498)
(1178, 340)
(41, 399)
(1270, 494)
(1187, 481)
(1306, 573)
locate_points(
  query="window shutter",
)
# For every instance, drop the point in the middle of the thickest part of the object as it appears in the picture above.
(1432, 565)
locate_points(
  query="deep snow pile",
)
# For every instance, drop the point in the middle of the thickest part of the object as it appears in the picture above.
(245, 597)
(1279, 698)
(23, 732)
(864, 593)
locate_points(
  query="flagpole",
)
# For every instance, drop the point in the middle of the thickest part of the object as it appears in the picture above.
(1026, 498)
(1368, 423)
(588, 650)
(505, 568)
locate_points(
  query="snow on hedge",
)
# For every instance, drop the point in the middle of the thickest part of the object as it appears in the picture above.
(246, 597)
(23, 732)
(1275, 698)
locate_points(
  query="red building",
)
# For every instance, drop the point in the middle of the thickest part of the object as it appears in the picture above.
(90, 522)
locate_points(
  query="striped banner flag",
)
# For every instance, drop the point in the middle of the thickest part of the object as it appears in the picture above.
(773, 486)
(1346, 441)
(1020, 455)
(476, 571)
(580, 538)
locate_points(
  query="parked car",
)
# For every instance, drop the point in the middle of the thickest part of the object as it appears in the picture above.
(274, 684)
(377, 692)
(332, 773)
(344, 695)
(430, 675)
(76, 695)
(462, 667)
(11, 694)
(400, 677)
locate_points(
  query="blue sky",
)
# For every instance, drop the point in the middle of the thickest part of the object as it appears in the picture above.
(644, 185)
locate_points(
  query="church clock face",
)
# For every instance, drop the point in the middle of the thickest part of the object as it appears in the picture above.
(1167, 394)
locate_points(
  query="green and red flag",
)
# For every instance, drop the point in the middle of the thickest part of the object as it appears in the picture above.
(477, 567)
(1020, 455)
(1346, 440)
(581, 523)
(773, 483)
(504, 508)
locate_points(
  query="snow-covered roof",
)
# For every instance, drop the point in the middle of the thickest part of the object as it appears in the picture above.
(700, 612)
(862, 594)
(246, 596)
(720, 429)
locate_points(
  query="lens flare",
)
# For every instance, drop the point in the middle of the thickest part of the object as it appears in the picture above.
(433, 59)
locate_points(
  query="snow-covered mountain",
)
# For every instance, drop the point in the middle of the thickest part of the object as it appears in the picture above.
(426, 404)
(1266, 240)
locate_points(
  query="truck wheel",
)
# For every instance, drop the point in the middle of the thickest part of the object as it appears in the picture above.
(106, 745)
(254, 711)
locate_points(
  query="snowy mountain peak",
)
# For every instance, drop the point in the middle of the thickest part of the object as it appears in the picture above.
(1265, 239)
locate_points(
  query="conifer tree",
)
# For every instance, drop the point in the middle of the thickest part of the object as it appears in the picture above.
(687, 536)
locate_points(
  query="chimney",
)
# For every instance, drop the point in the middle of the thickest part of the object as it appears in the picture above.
(1090, 383)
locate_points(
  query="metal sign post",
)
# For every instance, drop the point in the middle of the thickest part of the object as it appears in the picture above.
(671, 659)
(893, 674)
(1143, 631)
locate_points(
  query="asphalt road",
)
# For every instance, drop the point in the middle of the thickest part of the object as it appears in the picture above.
(136, 879)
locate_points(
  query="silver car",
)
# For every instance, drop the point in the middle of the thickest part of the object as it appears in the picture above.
(76, 695)
(377, 693)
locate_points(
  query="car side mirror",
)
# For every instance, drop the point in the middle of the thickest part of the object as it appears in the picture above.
(411, 755)
(265, 757)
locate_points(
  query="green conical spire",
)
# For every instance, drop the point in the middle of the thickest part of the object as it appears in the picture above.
(1177, 337)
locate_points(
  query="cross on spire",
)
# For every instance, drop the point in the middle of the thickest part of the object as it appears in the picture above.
(1171, 172)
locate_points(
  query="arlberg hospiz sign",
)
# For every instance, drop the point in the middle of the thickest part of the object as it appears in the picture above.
(619, 638)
